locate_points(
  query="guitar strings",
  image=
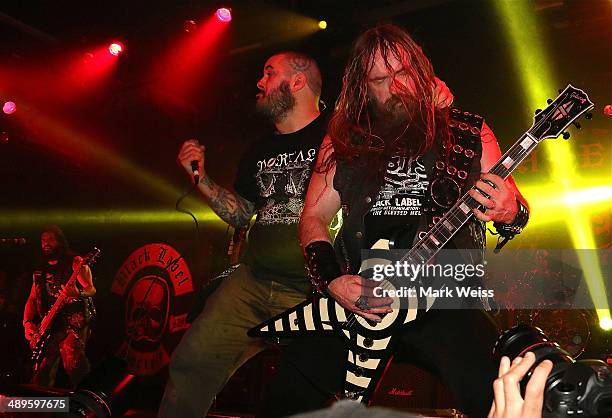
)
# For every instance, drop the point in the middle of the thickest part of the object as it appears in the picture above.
(517, 153)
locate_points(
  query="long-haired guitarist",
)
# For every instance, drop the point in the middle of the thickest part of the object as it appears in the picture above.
(393, 161)
(68, 332)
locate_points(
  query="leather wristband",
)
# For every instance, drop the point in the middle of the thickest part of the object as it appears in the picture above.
(508, 231)
(518, 223)
(321, 265)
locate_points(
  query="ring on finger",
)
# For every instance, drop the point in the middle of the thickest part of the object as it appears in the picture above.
(362, 303)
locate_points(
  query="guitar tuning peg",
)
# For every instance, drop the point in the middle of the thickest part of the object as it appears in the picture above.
(588, 116)
(577, 124)
(549, 101)
(538, 111)
(566, 135)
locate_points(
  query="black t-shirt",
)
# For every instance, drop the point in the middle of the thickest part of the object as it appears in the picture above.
(401, 200)
(274, 174)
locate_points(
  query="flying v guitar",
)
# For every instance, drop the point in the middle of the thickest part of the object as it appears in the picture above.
(369, 342)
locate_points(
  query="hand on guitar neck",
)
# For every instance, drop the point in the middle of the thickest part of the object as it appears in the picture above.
(84, 278)
(31, 331)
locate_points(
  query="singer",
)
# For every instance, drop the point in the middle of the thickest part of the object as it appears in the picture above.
(272, 180)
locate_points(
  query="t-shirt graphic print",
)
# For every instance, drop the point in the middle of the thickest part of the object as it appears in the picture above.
(282, 182)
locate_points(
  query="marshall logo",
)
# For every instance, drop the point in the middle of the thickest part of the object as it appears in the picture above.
(400, 392)
(151, 281)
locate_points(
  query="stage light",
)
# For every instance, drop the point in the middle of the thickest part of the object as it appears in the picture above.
(116, 48)
(88, 57)
(322, 24)
(24, 218)
(607, 110)
(224, 15)
(538, 80)
(9, 108)
(4, 137)
(606, 323)
(190, 26)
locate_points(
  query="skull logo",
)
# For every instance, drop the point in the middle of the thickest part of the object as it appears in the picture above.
(147, 309)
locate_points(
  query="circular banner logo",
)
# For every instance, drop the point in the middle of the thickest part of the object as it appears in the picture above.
(151, 281)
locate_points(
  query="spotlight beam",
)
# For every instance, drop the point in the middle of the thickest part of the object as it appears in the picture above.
(80, 145)
(115, 217)
(546, 204)
(536, 76)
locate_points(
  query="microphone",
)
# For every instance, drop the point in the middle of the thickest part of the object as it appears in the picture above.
(196, 172)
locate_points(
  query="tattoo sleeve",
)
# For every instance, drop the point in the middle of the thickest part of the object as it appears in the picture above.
(229, 206)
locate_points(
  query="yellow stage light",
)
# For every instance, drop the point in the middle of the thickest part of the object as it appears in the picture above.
(605, 323)
(17, 219)
(549, 205)
(532, 65)
(322, 24)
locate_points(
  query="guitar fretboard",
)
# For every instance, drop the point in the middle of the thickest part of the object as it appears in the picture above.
(439, 235)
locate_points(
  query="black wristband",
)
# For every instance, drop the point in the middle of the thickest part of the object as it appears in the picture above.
(508, 231)
(321, 264)
(517, 225)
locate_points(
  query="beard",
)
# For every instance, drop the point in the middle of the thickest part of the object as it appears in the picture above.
(50, 254)
(396, 122)
(276, 104)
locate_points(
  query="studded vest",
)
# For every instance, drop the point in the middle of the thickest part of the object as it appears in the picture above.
(452, 173)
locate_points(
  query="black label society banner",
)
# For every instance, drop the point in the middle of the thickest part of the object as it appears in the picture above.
(152, 281)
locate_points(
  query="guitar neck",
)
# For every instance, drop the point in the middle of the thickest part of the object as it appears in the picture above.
(48, 319)
(442, 232)
(514, 156)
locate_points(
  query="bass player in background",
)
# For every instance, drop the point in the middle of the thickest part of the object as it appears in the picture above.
(70, 328)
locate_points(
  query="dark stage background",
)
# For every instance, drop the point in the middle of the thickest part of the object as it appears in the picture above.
(100, 160)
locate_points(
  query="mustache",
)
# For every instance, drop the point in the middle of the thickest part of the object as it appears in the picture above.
(395, 103)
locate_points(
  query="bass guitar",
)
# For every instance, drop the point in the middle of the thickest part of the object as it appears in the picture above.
(40, 339)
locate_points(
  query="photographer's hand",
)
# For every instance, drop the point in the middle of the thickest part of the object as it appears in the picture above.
(508, 402)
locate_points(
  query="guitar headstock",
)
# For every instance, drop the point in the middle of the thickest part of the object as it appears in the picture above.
(92, 256)
(560, 113)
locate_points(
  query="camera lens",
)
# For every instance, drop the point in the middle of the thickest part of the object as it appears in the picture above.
(522, 338)
(581, 389)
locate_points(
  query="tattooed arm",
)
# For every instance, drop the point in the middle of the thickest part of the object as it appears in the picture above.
(229, 206)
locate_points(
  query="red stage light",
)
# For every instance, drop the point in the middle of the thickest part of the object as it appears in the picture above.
(116, 48)
(190, 26)
(224, 15)
(9, 108)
